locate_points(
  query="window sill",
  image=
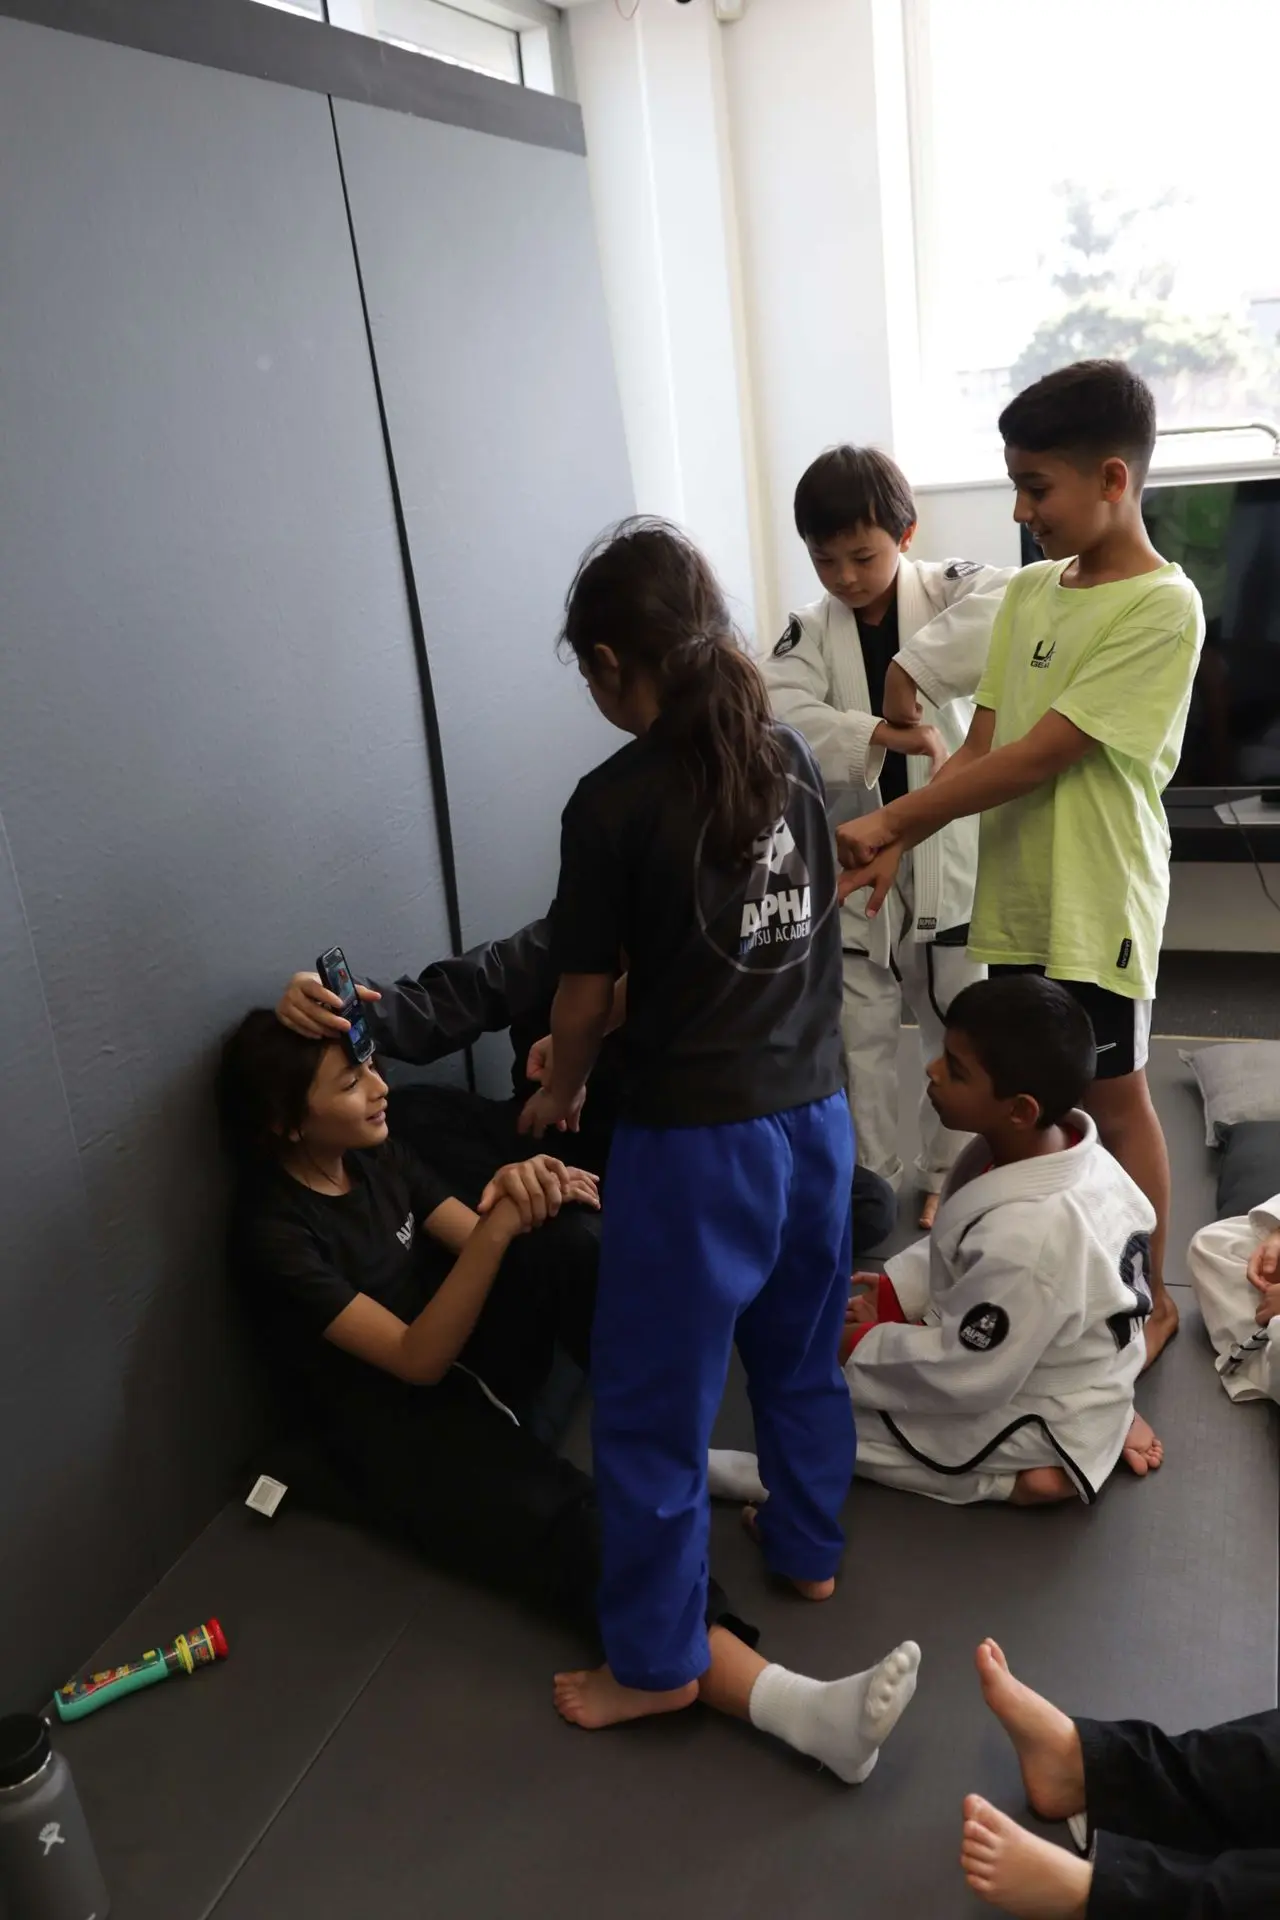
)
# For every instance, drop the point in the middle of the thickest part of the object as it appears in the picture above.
(1164, 473)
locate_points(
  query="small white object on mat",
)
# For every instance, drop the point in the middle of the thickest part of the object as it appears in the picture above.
(266, 1494)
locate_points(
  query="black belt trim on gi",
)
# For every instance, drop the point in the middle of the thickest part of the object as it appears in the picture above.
(1088, 1492)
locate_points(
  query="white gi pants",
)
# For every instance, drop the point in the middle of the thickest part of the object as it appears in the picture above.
(924, 977)
(880, 1457)
(1217, 1257)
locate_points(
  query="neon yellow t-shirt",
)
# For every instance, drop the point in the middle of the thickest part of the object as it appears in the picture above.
(1074, 877)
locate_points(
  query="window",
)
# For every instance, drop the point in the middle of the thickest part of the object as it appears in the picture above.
(428, 26)
(1095, 177)
(446, 32)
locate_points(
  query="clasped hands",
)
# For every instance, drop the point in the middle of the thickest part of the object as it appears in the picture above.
(870, 855)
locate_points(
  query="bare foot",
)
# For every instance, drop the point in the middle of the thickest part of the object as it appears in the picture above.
(929, 1210)
(1041, 1487)
(1162, 1324)
(597, 1700)
(1044, 1739)
(1011, 1869)
(1143, 1453)
(807, 1589)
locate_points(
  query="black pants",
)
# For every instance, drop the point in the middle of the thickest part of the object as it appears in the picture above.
(1185, 1828)
(467, 1138)
(451, 1475)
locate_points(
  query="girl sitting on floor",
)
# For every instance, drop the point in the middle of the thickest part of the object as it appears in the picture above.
(416, 1332)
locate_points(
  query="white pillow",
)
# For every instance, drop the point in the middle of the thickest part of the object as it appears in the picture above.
(1239, 1080)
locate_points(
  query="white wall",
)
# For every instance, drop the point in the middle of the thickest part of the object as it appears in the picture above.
(651, 91)
(752, 196)
(800, 81)
(968, 523)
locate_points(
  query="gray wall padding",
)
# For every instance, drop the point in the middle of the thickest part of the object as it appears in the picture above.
(489, 321)
(211, 762)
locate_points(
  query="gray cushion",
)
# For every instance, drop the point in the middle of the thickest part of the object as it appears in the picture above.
(1250, 1169)
(1239, 1080)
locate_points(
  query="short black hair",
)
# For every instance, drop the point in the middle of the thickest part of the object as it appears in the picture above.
(852, 486)
(1093, 411)
(1031, 1036)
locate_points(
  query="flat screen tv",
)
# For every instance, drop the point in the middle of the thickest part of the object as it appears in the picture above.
(1225, 534)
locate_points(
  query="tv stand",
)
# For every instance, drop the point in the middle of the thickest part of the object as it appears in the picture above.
(1202, 826)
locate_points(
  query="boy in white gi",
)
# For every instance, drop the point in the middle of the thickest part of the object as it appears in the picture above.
(1235, 1270)
(826, 677)
(997, 1359)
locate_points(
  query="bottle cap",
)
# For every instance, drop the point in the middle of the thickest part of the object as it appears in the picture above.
(24, 1747)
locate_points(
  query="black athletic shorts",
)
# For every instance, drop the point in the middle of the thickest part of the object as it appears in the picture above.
(1121, 1028)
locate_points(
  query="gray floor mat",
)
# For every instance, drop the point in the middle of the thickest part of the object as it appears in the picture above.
(448, 1785)
(180, 1782)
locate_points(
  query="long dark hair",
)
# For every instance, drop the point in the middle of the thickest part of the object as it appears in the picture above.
(264, 1084)
(644, 590)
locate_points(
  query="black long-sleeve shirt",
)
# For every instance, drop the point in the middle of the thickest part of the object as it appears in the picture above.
(503, 983)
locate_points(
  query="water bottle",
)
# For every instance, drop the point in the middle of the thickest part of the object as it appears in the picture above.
(48, 1869)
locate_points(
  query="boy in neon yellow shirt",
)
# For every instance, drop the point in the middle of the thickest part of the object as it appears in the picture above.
(1080, 716)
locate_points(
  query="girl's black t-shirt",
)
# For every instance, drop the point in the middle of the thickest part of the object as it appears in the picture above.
(304, 1256)
(734, 977)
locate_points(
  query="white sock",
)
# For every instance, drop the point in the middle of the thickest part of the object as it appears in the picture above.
(735, 1476)
(842, 1723)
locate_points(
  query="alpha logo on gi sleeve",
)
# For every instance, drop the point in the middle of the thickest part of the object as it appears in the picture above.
(789, 641)
(1135, 1268)
(984, 1327)
(1135, 1273)
(961, 569)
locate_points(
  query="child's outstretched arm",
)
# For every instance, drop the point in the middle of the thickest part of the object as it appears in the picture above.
(973, 781)
(580, 1017)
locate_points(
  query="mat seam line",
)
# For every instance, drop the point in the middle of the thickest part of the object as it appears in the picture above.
(287, 1798)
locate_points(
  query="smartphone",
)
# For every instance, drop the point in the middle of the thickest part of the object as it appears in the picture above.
(336, 975)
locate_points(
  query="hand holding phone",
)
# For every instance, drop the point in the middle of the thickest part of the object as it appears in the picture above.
(307, 1007)
(336, 975)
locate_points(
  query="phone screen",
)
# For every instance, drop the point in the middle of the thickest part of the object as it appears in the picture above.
(340, 982)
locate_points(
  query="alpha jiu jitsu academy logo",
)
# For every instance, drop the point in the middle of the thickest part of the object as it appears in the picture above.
(778, 907)
(762, 920)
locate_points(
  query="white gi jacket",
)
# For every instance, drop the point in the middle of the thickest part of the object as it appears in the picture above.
(1248, 1356)
(1032, 1290)
(818, 684)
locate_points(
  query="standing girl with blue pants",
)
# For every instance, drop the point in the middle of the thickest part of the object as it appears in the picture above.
(699, 861)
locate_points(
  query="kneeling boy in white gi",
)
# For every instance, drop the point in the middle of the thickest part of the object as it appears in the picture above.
(997, 1359)
(1235, 1270)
